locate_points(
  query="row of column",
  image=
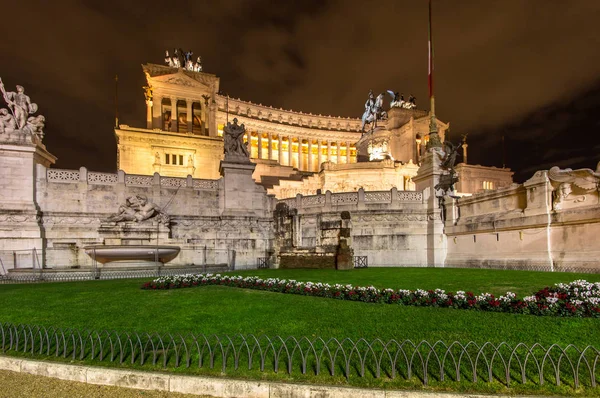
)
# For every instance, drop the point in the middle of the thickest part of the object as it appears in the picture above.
(154, 113)
(290, 151)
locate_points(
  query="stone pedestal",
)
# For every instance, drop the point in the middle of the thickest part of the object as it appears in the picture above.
(241, 195)
(22, 158)
(132, 233)
(427, 178)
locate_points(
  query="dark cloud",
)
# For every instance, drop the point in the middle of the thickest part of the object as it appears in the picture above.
(528, 70)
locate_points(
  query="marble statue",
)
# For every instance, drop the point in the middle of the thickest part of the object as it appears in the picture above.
(233, 136)
(584, 180)
(399, 102)
(137, 208)
(18, 115)
(181, 59)
(373, 111)
(397, 99)
(7, 121)
(198, 65)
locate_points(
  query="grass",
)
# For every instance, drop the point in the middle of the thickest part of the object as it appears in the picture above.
(122, 305)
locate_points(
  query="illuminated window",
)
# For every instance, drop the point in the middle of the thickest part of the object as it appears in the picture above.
(488, 185)
(174, 159)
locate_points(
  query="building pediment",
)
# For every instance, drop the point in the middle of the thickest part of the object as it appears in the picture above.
(165, 75)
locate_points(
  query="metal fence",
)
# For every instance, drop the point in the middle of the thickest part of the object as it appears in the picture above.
(424, 361)
(361, 261)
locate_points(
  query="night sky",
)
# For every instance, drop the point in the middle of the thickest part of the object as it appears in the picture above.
(525, 69)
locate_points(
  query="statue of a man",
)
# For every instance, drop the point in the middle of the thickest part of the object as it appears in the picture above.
(233, 139)
(369, 114)
(21, 105)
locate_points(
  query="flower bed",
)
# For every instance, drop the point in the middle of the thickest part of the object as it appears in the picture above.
(579, 298)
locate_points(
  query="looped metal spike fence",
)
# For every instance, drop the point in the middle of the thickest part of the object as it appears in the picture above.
(425, 361)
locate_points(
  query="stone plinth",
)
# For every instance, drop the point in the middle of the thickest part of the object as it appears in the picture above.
(132, 233)
(427, 178)
(22, 158)
(241, 196)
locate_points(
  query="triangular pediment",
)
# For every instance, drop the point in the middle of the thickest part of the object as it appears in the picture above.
(179, 77)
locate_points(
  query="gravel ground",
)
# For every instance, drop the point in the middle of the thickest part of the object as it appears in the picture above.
(22, 385)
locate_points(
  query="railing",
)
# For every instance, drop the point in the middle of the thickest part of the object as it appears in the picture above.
(96, 178)
(360, 198)
(262, 262)
(99, 274)
(424, 361)
(71, 263)
(361, 261)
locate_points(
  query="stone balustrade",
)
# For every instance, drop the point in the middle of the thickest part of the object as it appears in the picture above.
(97, 178)
(359, 199)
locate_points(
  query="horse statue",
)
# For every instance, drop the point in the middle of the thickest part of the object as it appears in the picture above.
(373, 111)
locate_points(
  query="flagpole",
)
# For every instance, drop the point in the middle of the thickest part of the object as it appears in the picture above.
(434, 139)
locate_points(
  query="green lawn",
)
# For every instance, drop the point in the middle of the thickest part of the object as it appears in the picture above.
(122, 305)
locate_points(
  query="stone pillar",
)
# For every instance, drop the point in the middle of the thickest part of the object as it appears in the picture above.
(149, 114)
(300, 163)
(157, 120)
(348, 152)
(270, 143)
(319, 155)
(189, 116)
(173, 114)
(24, 163)
(290, 150)
(329, 151)
(260, 148)
(212, 120)
(309, 160)
(339, 153)
(204, 116)
(428, 176)
(279, 149)
(464, 148)
(249, 142)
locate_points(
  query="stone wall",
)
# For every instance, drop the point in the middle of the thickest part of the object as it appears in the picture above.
(72, 204)
(388, 227)
(517, 228)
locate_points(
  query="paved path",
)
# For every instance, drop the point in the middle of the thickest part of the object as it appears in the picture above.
(22, 385)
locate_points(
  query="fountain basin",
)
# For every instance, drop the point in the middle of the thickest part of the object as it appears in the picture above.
(132, 254)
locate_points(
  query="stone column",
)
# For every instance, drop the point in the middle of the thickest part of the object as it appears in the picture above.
(270, 143)
(329, 151)
(309, 160)
(189, 116)
(348, 152)
(157, 120)
(319, 155)
(339, 153)
(173, 114)
(249, 142)
(149, 114)
(279, 149)
(260, 148)
(290, 163)
(212, 120)
(300, 163)
(204, 116)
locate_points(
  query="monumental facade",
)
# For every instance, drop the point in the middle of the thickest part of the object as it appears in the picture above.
(383, 191)
(294, 152)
